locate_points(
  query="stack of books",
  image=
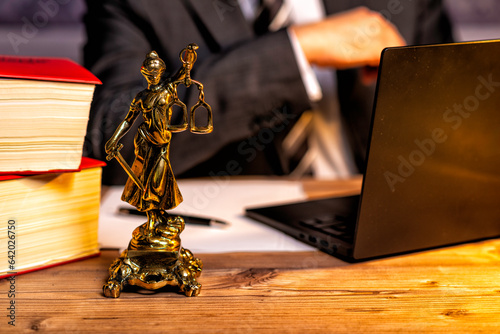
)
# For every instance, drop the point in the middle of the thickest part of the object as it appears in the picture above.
(49, 194)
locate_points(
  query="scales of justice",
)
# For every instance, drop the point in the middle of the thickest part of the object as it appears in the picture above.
(154, 257)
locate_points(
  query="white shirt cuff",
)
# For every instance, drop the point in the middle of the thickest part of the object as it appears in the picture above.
(309, 79)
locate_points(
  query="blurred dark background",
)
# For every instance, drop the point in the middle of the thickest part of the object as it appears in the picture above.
(54, 28)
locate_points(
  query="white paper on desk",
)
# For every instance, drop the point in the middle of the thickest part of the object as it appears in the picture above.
(217, 198)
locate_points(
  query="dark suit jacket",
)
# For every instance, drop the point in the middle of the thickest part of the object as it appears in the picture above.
(252, 82)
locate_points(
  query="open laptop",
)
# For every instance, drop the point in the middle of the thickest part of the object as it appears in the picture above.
(433, 163)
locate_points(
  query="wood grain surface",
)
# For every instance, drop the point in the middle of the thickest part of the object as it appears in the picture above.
(452, 290)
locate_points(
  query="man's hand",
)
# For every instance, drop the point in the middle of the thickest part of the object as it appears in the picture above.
(349, 39)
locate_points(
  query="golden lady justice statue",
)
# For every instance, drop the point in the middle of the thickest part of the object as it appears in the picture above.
(154, 257)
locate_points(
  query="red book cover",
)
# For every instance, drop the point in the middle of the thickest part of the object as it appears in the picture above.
(44, 68)
(86, 163)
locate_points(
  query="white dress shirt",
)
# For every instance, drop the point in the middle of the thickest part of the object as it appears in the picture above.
(328, 155)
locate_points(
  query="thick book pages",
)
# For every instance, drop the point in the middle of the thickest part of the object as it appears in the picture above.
(49, 219)
(85, 163)
(44, 110)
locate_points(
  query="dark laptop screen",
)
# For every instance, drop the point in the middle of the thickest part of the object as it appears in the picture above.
(433, 173)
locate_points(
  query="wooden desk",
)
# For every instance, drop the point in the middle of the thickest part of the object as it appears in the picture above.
(448, 290)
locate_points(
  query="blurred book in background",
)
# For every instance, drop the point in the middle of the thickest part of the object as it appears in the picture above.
(44, 110)
(54, 217)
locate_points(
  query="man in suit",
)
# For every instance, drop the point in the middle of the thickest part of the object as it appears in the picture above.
(251, 78)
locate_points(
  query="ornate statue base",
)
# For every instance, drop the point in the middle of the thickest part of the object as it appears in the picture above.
(154, 259)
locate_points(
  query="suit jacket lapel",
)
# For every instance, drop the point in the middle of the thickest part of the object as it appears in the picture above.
(222, 21)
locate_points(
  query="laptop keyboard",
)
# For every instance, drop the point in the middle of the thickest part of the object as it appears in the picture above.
(337, 226)
(328, 224)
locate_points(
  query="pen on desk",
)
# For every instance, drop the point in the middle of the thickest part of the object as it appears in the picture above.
(192, 220)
